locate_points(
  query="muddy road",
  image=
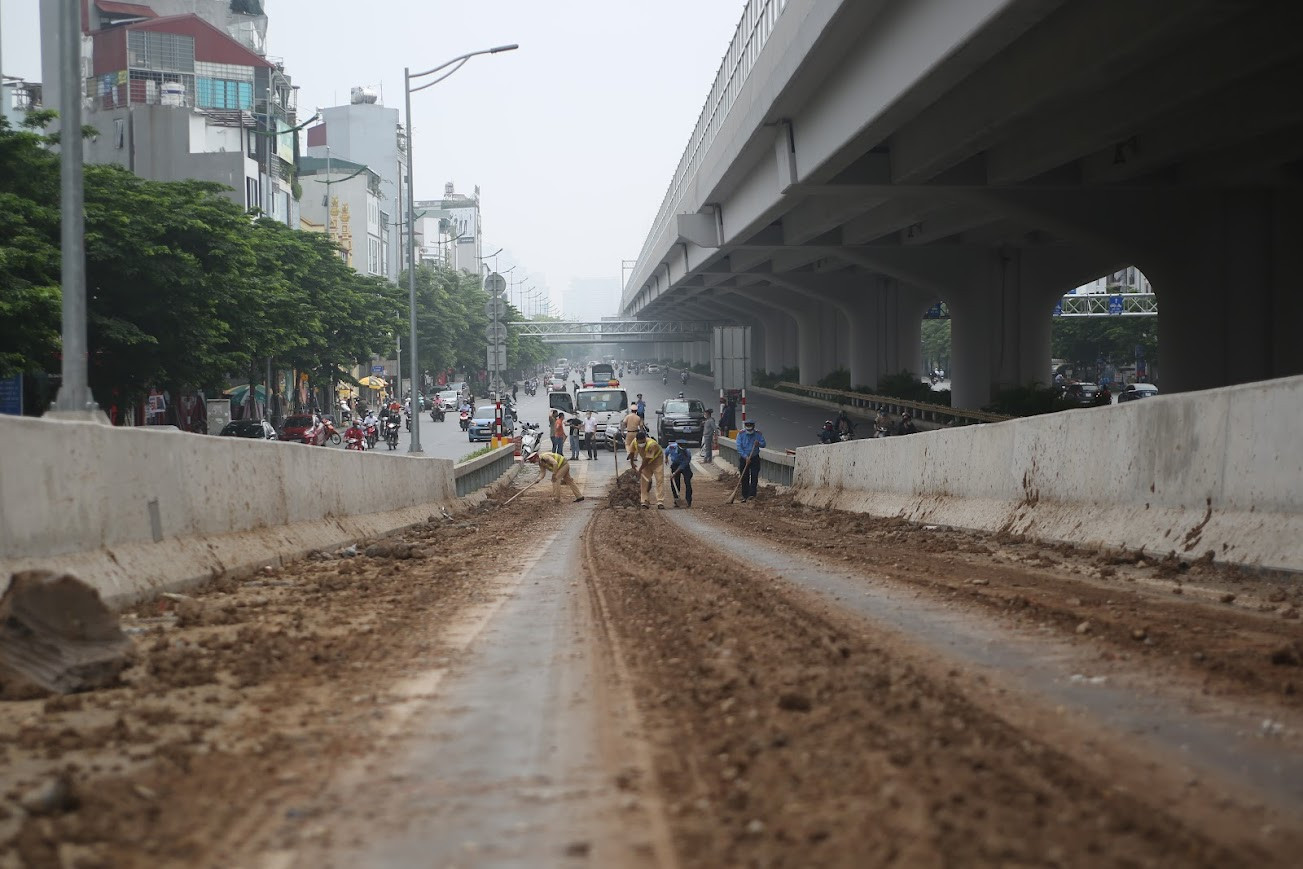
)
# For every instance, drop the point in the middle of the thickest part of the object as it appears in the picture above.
(593, 684)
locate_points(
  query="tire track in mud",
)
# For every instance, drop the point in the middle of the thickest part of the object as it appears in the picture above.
(784, 736)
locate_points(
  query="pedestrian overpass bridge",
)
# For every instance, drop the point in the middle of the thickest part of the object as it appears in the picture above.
(613, 331)
(858, 161)
(674, 331)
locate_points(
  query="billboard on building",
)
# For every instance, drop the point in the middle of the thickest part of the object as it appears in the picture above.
(284, 142)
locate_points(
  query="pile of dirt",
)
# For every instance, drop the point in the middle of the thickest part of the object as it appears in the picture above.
(784, 734)
(244, 698)
(625, 492)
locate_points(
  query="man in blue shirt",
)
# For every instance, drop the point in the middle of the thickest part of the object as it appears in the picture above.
(641, 407)
(749, 444)
(680, 472)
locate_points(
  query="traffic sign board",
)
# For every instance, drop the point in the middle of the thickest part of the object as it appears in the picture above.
(377, 369)
(497, 357)
(1115, 305)
(495, 308)
(495, 284)
(496, 333)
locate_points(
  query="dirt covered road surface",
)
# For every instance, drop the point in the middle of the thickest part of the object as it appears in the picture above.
(761, 684)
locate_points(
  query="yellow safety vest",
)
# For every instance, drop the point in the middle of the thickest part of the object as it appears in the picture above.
(560, 461)
(651, 450)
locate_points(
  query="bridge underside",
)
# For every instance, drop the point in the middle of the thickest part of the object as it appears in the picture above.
(993, 154)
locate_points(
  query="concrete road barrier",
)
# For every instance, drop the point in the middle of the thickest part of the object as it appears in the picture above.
(1217, 471)
(135, 511)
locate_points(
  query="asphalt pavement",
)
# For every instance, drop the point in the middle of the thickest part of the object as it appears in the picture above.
(785, 424)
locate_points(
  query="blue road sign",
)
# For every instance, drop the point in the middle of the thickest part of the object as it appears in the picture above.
(377, 369)
(1115, 304)
(11, 395)
(935, 313)
(1058, 309)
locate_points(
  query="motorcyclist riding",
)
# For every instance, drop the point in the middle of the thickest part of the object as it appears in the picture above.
(828, 434)
(845, 426)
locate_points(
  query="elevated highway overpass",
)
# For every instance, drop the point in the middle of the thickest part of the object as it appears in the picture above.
(857, 161)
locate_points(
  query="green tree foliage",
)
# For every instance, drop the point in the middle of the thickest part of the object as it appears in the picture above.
(451, 322)
(936, 343)
(1085, 341)
(184, 290)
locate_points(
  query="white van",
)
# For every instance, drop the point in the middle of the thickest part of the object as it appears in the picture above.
(609, 406)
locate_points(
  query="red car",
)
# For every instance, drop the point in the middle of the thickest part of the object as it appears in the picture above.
(303, 428)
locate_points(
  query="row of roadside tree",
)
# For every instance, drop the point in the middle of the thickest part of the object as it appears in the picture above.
(187, 292)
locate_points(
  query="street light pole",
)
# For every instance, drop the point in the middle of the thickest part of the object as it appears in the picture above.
(456, 63)
(74, 392)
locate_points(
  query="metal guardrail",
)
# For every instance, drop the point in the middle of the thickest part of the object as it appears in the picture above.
(483, 471)
(752, 33)
(937, 413)
(775, 467)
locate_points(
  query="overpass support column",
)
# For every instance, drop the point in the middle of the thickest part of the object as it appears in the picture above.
(885, 330)
(808, 315)
(1231, 294)
(1000, 329)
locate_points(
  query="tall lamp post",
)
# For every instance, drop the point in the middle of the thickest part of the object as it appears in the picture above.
(456, 63)
(74, 398)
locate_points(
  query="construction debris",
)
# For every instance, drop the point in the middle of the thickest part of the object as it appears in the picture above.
(57, 635)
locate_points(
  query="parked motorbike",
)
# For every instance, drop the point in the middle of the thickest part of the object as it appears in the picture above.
(530, 439)
(372, 437)
(331, 434)
(464, 418)
(391, 433)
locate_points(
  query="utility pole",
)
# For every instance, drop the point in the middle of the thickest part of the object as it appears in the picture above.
(74, 399)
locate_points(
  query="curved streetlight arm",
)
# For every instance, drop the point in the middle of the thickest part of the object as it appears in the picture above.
(457, 63)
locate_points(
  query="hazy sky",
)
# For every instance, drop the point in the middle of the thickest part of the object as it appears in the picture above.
(572, 138)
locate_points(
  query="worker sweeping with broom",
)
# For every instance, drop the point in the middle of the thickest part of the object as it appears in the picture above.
(749, 444)
(560, 468)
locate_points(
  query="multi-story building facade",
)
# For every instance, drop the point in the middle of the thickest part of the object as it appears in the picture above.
(450, 231)
(343, 198)
(367, 133)
(189, 95)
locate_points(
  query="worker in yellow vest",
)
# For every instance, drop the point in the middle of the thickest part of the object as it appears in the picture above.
(560, 468)
(651, 469)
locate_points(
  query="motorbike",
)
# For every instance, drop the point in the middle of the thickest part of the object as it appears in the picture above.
(530, 439)
(391, 433)
(356, 442)
(684, 378)
(828, 434)
(372, 437)
(331, 434)
(665, 378)
(464, 418)
(437, 413)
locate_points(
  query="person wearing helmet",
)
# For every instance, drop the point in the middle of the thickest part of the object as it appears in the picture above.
(828, 434)
(906, 424)
(680, 472)
(651, 470)
(631, 423)
(560, 468)
(749, 444)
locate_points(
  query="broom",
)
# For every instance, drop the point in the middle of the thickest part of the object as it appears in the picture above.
(741, 477)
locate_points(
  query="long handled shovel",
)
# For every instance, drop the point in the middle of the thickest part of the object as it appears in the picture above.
(741, 477)
(518, 494)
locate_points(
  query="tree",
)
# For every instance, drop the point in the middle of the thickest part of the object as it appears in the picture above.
(29, 253)
(1085, 342)
(936, 343)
